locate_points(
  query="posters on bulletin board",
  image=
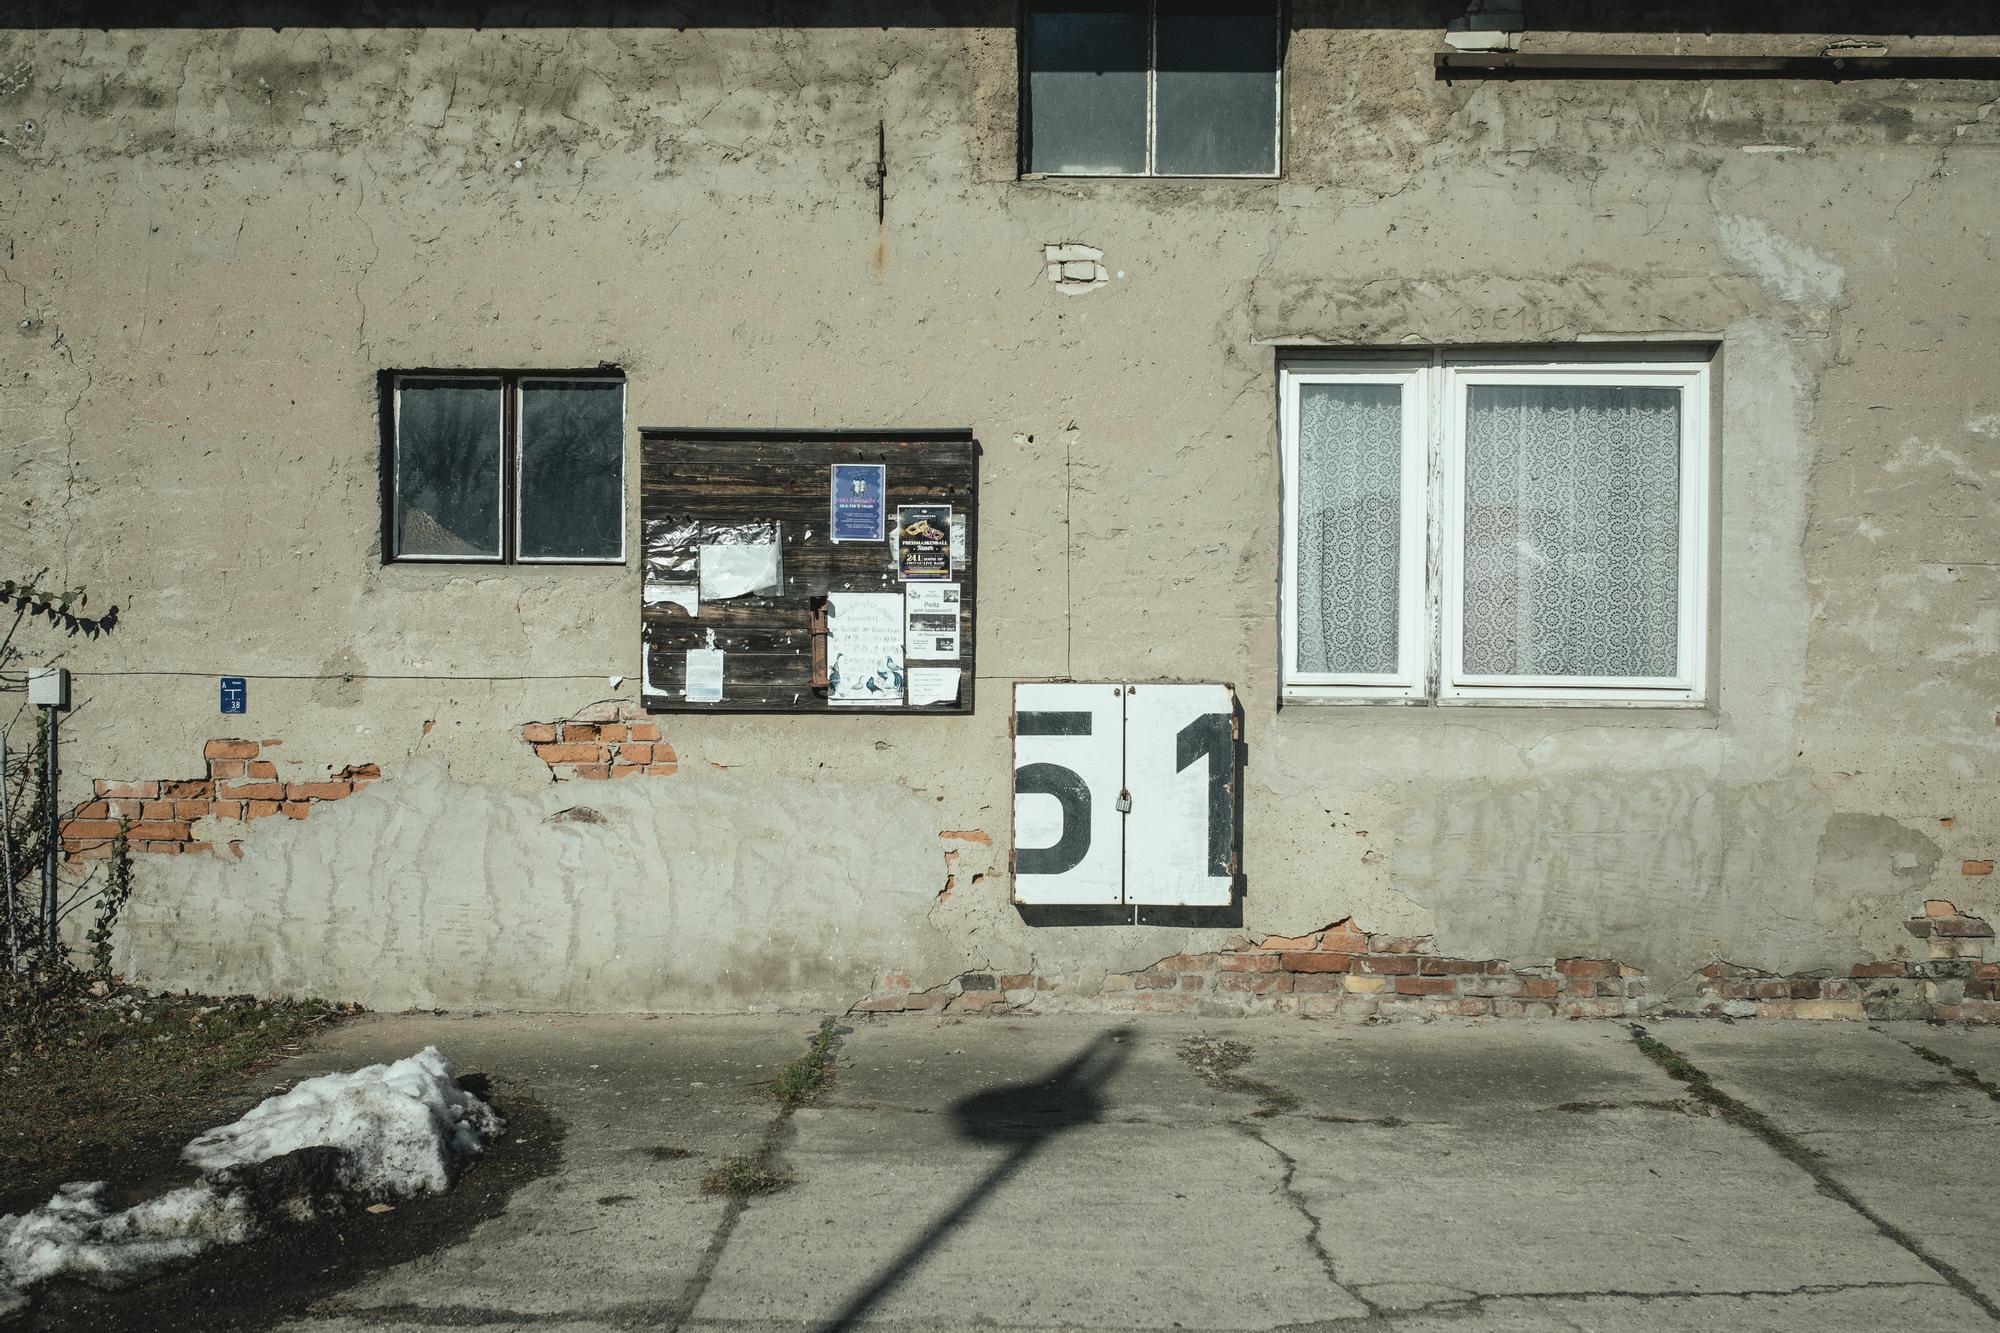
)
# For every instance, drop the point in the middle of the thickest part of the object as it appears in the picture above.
(864, 651)
(859, 496)
(923, 536)
(930, 621)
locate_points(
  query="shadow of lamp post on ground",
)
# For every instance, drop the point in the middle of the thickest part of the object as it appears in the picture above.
(1022, 1118)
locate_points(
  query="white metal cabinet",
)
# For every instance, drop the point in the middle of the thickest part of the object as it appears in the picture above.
(1125, 795)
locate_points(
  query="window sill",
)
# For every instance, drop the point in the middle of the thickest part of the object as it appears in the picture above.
(1067, 177)
(1661, 712)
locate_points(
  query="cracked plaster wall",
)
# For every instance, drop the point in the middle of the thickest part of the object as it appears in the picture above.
(217, 237)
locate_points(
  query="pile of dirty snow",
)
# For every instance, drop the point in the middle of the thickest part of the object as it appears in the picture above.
(390, 1132)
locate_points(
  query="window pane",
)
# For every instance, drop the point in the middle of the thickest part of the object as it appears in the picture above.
(1350, 522)
(572, 468)
(1216, 96)
(1572, 530)
(1087, 89)
(448, 467)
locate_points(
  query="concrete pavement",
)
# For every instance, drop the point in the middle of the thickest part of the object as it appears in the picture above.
(1083, 1173)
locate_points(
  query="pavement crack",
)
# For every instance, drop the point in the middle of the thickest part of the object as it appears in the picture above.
(1798, 1154)
(1476, 1304)
(1314, 1227)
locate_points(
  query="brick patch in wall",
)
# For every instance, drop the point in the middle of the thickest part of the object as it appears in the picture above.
(1954, 983)
(1338, 971)
(618, 741)
(160, 813)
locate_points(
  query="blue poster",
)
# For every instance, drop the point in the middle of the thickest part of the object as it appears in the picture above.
(235, 694)
(859, 492)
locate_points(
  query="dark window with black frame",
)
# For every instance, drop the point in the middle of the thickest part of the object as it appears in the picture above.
(495, 467)
(1170, 88)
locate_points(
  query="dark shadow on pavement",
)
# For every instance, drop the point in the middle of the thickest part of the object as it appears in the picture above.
(1021, 1116)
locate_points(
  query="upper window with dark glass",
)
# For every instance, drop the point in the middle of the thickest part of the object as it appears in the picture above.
(511, 467)
(1163, 89)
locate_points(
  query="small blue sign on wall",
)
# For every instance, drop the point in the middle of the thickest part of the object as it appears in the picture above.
(235, 694)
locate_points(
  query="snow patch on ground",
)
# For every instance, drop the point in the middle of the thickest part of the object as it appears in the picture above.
(399, 1130)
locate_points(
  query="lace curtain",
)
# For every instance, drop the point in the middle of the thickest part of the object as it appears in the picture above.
(1572, 530)
(1350, 514)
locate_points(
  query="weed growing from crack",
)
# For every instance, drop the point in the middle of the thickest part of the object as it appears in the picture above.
(801, 1082)
(744, 1176)
(1962, 1073)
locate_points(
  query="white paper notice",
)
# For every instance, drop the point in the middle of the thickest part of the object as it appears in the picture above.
(704, 675)
(684, 595)
(932, 613)
(933, 685)
(958, 541)
(864, 649)
(736, 571)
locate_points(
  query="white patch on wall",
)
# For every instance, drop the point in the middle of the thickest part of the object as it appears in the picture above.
(1986, 428)
(1073, 268)
(1787, 269)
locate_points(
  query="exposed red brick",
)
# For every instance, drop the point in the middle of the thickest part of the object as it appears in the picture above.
(1018, 981)
(1258, 983)
(593, 771)
(657, 769)
(228, 768)
(156, 810)
(353, 771)
(157, 830)
(1889, 969)
(258, 809)
(980, 836)
(230, 749)
(1449, 967)
(628, 770)
(1583, 967)
(642, 731)
(263, 768)
(579, 731)
(1315, 962)
(94, 810)
(251, 791)
(190, 809)
(629, 753)
(79, 830)
(297, 809)
(318, 791)
(200, 789)
(1386, 966)
(1187, 962)
(1424, 985)
(883, 1004)
(1344, 937)
(612, 731)
(563, 752)
(1976, 868)
(225, 810)
(1248, 962)
(538, 733)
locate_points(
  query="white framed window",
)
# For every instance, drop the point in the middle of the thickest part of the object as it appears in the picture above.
(1151, 88)
(1465, 528)
(506, 467)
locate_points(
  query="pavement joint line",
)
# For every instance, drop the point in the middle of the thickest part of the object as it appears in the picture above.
(1963, 1073)
(777, 1136)
(1785, 1145)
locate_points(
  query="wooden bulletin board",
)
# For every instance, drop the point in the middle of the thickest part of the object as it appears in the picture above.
(703, 487)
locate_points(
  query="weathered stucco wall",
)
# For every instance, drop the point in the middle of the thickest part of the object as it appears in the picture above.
(217, 237)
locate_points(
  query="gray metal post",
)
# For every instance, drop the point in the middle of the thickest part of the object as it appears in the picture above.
(54, 847)
(7, 863)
